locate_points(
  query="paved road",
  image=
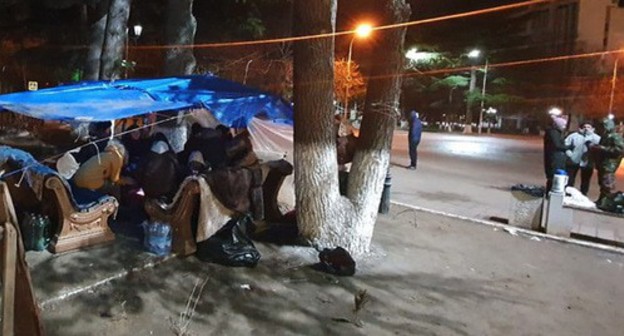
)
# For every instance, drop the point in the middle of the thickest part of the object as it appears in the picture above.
(469, 175)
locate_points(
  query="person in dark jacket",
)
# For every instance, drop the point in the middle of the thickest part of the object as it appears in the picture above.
(414, 135)
(555, 149)
(211, 143)
(159, 173)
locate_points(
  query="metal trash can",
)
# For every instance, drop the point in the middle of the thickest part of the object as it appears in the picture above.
(526, 206)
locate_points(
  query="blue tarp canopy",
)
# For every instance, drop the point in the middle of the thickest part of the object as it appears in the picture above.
(231, 103)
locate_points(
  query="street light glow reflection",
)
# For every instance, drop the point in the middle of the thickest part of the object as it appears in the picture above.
(474, 53)
(420, 56)
(363, 30)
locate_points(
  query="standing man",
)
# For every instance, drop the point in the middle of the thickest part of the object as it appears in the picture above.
(578, 158)
(554, 149)
(608, 155)
(414, 135)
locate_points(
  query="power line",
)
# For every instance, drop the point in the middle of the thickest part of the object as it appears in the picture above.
(348, 32)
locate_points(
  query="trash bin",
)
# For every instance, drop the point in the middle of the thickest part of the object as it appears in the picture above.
(526, 206)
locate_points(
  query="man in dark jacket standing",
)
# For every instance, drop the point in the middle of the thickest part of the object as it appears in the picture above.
(414, 135)
(555, 149)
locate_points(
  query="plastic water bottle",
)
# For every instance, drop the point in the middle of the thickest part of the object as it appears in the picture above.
(158, 238)
(560, 181)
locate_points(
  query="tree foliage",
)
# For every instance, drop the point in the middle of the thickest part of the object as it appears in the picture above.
(348, 76)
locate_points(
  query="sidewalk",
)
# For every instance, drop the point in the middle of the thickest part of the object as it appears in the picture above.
(428, 275)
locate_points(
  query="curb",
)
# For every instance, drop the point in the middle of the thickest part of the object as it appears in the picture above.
(78, 290)
(509, 228)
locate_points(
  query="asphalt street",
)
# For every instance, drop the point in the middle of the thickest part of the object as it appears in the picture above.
(470, 175)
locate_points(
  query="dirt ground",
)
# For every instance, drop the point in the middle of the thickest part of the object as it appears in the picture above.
(428, 275)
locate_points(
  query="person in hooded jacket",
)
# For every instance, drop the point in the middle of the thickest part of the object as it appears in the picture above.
(159, 173)
(414, 136)
(555, 157)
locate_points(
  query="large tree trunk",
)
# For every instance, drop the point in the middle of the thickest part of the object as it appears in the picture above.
(320, 209)
(325, 218)
(180, 30)
(381, 113)
(115, 39)
(96, 40)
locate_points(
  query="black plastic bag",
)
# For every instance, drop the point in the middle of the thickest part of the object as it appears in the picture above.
(230, 246)
(532, 190)
(337, 261)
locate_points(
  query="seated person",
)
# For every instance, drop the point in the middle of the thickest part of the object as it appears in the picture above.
(137, 145)
(196, 164)
(98, 174)
(239, 151)
(210, 143)
(159, 173)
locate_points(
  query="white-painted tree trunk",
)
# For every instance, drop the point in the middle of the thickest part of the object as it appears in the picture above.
(324, 217)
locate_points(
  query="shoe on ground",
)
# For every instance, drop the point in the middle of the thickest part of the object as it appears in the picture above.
(411, 167)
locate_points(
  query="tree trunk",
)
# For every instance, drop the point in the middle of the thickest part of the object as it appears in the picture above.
(325, 218)
(180, 30)
(96, 41)
(115, 39)
(381, 113)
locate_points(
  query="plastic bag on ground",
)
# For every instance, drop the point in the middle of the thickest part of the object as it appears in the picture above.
(337, 261)
(230, 246)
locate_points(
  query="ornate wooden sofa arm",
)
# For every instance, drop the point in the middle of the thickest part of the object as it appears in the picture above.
(79, 225)
(277, 172)
(179, 214)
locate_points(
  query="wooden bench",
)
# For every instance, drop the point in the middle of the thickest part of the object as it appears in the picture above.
(80, 225)
(20, 313)
(76, 225)
(276, 172)
(179, 214)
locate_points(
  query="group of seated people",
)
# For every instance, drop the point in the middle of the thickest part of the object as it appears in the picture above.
(148, 161)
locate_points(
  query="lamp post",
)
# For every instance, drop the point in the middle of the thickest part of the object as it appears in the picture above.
(362, 31)
(137, 30)
(485, 74)
(474, 54)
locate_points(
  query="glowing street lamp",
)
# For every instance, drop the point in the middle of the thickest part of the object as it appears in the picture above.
(361, 31)
(474, 53)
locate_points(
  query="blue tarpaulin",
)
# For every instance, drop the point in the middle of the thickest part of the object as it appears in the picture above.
(233, 104)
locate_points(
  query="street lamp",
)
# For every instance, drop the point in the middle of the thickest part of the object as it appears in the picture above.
(137, 30)
(474, 54)
(362, 31)
(485, 74)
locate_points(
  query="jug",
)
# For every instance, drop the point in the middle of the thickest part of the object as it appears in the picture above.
(560, 181)
(157, 238)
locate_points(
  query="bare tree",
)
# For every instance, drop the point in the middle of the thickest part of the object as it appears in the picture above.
(180, 31)
(325, 217)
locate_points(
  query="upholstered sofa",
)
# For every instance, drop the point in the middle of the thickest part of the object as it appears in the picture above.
(38, 188)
